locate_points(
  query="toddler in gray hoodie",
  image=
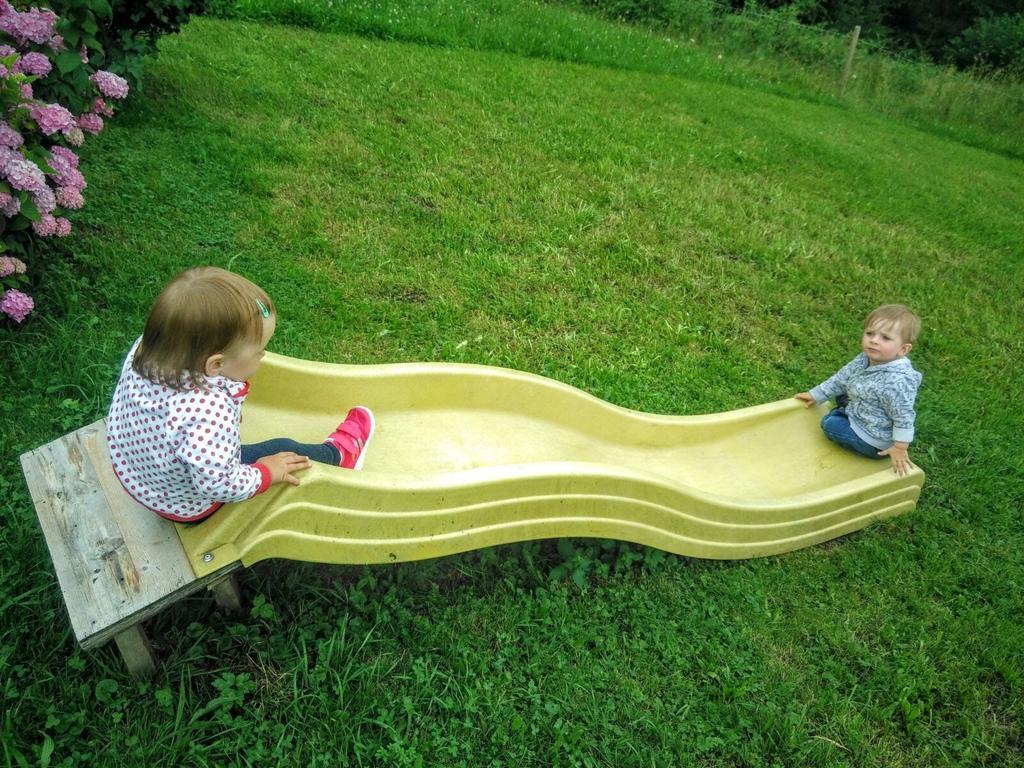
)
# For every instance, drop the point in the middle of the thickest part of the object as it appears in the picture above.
(875, 392)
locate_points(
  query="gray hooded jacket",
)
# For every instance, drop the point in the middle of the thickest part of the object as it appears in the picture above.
(881, 407)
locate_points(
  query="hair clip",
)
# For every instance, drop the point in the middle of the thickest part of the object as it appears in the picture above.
(263, 308)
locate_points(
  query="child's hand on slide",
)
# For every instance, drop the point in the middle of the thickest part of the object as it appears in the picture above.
(901, 463)
(805, 398)
(281, 466)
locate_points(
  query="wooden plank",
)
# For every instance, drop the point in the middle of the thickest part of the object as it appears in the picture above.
(117, 562)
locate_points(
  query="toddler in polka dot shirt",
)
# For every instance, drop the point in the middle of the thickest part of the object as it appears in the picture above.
(173, 425)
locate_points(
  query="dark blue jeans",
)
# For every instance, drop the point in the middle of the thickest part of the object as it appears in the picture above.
(325, 453)
(836, 426)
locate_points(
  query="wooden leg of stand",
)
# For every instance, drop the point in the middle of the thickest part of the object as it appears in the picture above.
(136, 651)
(227, 595)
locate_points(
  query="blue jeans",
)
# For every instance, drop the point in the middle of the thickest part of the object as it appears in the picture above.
(325, 453)
(836, 426)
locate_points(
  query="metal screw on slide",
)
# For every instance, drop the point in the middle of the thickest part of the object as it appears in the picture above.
(208, 557)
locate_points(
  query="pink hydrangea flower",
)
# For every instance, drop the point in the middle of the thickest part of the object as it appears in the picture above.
(90, 123)
(9, 137)
(21, 173)
(4, 71)
(110, 85)
(33, 64)
(45, 200)
(69, 197)
(46, 225)
(52, 118)
(64, 163)
(100, 107)
(57, 44)
(10, 206)
(10, 265)
(73, 179)
(6, 50)
(7, 156)
(26, 91)
(75, 136)
(31, 26)
(62, 227)
(63, 155)
(16, 305)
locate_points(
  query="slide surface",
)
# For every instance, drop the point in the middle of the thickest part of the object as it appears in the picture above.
(470, 456)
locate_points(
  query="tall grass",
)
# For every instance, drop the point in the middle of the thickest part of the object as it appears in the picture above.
(697, 39)
(987, 110)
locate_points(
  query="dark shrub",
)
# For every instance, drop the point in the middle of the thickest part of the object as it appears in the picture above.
(994, 43)
(121, 33)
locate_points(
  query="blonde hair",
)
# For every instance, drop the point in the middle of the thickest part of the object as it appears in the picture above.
(201, 312)
(898, 317)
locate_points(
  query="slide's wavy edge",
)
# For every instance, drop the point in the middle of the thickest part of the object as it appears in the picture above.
(338, 517)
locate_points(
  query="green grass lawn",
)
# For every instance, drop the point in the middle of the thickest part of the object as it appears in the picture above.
(669, 244)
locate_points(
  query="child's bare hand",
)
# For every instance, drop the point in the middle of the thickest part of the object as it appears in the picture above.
(805, 398)
(901, 463)
(281, 466)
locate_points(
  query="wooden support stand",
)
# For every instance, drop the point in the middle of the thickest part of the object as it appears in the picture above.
(117, 562)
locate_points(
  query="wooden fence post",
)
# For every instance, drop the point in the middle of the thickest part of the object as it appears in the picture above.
(849, 61)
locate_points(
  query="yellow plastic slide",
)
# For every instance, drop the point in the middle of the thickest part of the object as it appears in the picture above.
(469, 456)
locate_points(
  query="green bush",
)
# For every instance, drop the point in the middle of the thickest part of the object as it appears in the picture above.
(78, 24)
(119, 34)
(992, 43)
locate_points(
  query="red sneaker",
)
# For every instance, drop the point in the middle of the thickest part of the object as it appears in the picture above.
(352, 437)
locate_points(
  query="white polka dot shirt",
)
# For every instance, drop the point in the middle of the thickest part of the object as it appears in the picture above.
(178, 452)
